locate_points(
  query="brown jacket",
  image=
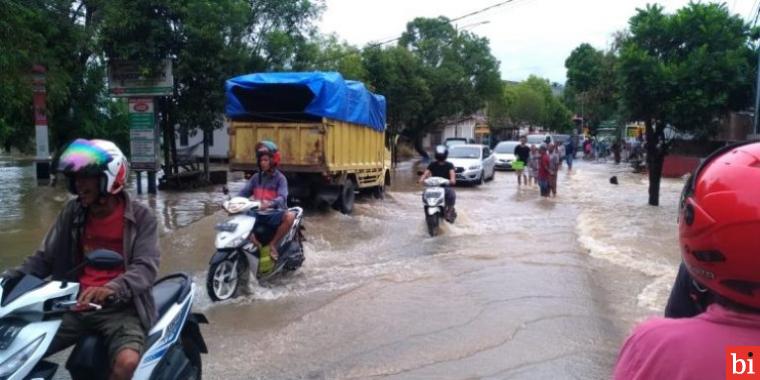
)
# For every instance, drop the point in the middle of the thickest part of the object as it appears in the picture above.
(57, 254)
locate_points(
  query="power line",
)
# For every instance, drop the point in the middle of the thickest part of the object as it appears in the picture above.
(486, 9)
(385, 42)
(752, 10)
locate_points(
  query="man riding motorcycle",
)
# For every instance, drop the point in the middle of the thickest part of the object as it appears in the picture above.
(719, 236)
(101, 217)
(270, 187)
(444, 169)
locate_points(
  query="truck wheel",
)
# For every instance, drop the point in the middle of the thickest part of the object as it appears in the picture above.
(379, 192)
(347, 197)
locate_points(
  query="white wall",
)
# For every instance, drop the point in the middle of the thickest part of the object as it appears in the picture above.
(464, 128)
(219, 150)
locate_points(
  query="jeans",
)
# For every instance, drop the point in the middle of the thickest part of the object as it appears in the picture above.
(450, 196)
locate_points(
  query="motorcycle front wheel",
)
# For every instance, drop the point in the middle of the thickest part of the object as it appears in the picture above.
(432, 224)
(223, 280)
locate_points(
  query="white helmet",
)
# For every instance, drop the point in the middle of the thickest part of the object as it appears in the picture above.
(99, 158)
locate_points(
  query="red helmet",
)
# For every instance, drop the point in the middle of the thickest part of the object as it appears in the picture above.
(719, 224)
(268, 148)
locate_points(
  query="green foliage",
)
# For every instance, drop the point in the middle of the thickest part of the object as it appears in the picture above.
(457, 67)
(532, 103)
(209, 41)
(398, 74)
(592, 89)
(687, 69)
(327, 53)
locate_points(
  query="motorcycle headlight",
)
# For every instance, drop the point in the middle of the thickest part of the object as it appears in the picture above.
(237, 242)
(13, 363)
(226, 227)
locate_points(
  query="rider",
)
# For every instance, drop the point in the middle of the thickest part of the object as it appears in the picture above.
(444, 169)
(103, 216)
(719, 233)
(270, 187)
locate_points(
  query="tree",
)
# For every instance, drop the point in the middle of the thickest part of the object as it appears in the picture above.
(529, 106)
(686, 70)
(591, 84)
(458, 69)
(327, 53)
(499, 115)
(398, 75)
(59, 35)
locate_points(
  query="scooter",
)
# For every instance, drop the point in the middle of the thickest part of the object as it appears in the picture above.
(236, 255)
(31, 312)
(433, 201)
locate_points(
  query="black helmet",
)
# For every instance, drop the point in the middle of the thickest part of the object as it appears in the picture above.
(441, 152)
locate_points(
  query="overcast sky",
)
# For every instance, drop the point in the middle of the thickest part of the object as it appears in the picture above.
(527, 36)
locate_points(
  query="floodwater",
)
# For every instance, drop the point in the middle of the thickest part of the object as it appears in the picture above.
(520, 287)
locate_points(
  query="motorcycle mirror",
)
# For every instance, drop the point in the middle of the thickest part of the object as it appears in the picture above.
(104, 259)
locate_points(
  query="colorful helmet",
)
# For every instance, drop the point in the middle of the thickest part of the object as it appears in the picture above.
(441, 152)
(268, 148)
(719, 224)
(99, 158)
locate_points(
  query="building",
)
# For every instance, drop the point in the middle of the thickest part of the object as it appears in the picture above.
(473, 127)
(219, 146)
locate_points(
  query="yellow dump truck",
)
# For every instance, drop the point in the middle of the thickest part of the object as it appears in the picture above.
(330, 132)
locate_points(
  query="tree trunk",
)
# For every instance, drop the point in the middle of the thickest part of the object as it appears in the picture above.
(172, 140)
(206, 135)
(656, 152)
(168, 135)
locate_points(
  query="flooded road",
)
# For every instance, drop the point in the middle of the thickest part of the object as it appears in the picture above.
(519, 287)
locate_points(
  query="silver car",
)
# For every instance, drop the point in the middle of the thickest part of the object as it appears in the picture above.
(473, 163)
(505, 154)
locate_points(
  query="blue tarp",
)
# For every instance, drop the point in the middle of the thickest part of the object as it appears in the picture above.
(289, 96)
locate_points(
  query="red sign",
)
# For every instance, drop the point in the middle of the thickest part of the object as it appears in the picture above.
(740, 362)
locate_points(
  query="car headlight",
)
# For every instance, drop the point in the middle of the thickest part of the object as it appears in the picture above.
(13, 363)
(474, 167)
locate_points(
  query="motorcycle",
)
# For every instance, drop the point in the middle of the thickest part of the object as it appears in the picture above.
(236, 255)
(433, 201)
(31, 312)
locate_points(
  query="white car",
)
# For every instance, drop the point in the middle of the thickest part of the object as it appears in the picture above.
(473, 163)
(505, 154)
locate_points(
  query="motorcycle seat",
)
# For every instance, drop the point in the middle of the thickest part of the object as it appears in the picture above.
(169, 290)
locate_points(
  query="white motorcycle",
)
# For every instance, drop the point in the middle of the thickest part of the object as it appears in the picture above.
(434, 203)
(235, 255)
(31, 311)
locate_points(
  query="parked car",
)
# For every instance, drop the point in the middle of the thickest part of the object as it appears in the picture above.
(505, 154)
(560, 139)
(538, 139)
(473, 163)
(452, 141)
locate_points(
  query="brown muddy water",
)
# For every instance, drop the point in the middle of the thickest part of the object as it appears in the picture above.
(520, 287)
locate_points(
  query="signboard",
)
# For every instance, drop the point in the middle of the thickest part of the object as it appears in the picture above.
(125, 80)
(143, 134)
(40, 113)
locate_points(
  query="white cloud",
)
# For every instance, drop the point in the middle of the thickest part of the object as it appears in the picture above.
(527, 36)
